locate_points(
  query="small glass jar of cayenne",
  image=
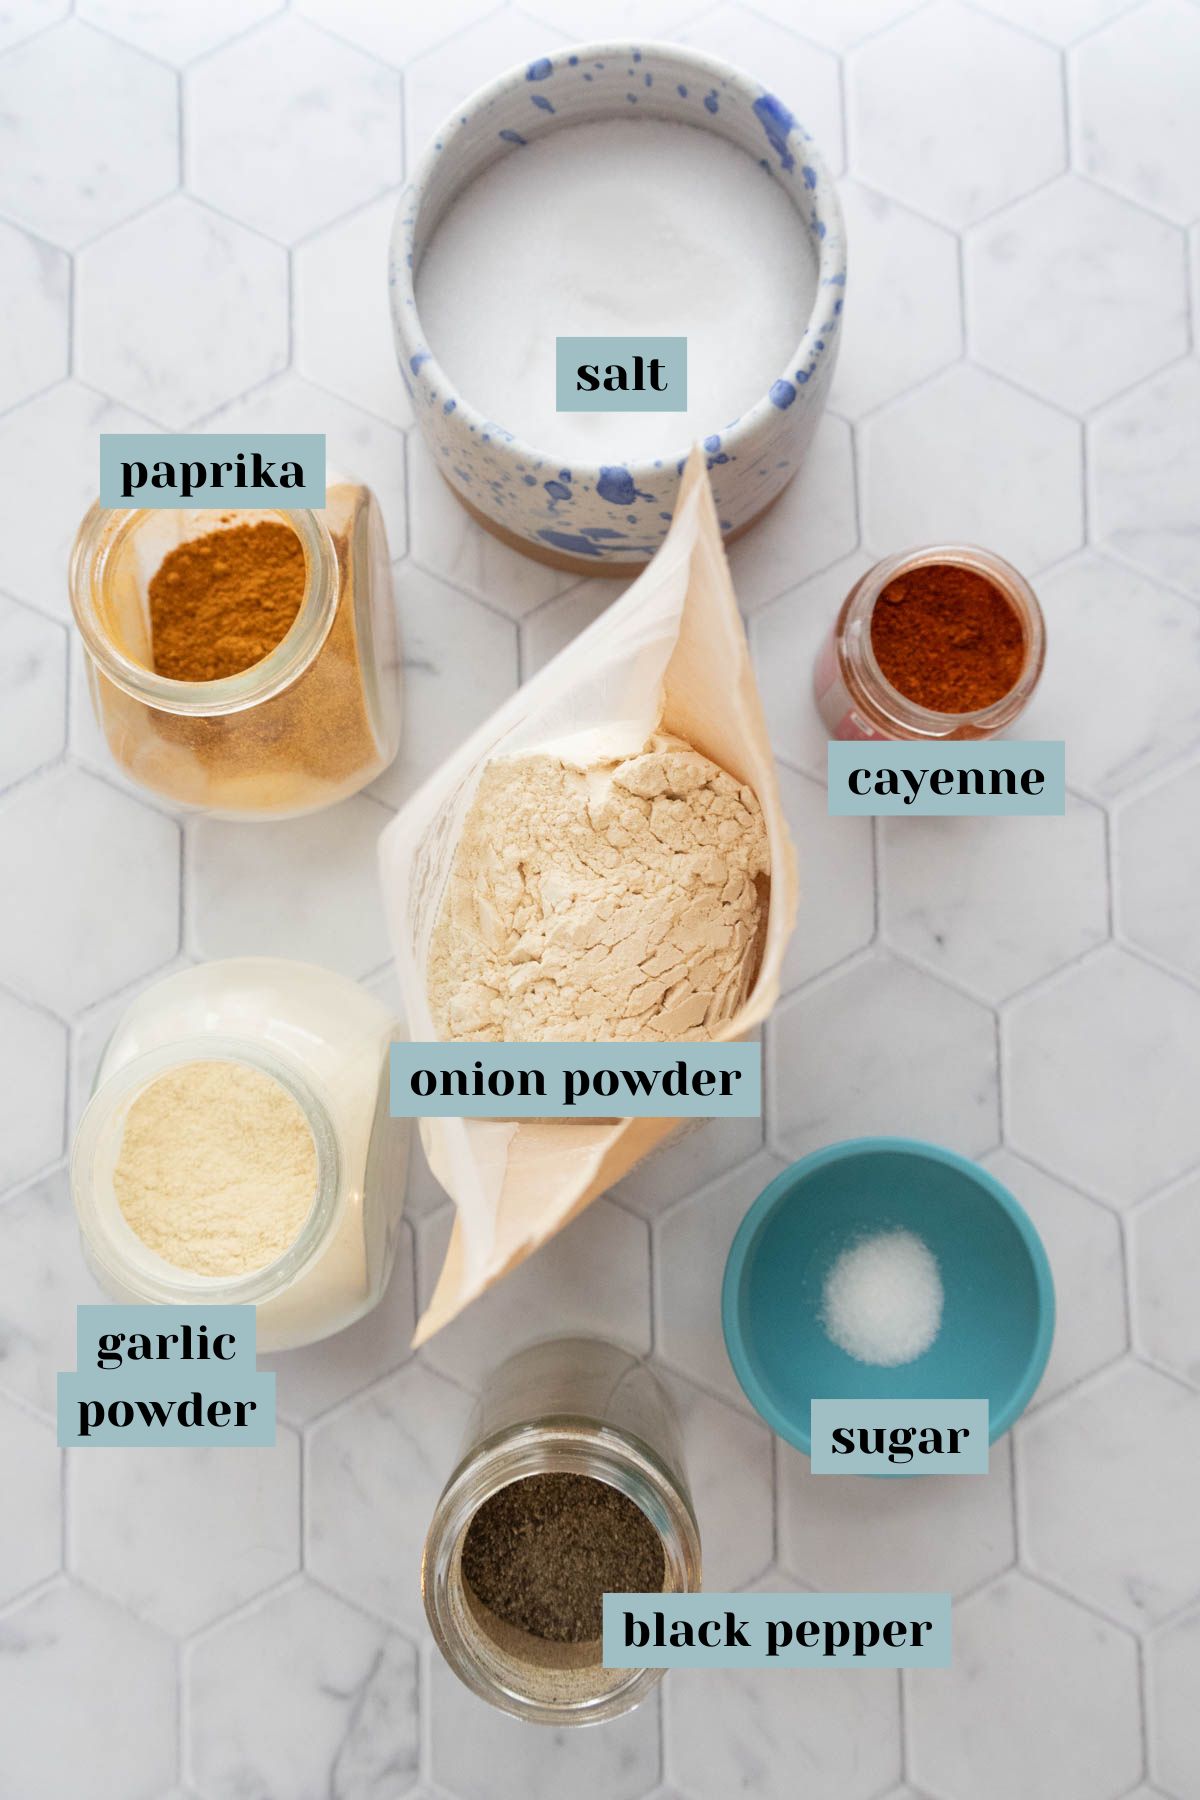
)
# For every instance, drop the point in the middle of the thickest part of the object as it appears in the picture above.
(943, 642)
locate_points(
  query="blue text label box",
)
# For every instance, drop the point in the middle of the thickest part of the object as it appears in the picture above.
(724, 1081)
(148, 1393)
(929, 1419)
(917, 767)
(600, 354)
(778, 1631)
(198, 452)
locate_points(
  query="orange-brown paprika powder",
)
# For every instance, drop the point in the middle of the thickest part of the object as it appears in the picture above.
(947, 638)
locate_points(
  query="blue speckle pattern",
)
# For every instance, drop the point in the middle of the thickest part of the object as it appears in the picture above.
(619, 513)
(779, 124)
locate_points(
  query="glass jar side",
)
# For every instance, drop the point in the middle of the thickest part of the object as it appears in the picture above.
(854, 697)
(311, 723)
(334, 1037)
(551, 1683)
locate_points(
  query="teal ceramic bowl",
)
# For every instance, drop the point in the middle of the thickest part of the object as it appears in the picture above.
(998, 1312)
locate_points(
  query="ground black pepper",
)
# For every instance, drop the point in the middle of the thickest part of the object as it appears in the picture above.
(543, 1552)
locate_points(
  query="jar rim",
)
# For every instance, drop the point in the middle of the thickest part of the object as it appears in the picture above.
(896, 708)
(184, 1287)
(565, 1444)
(102, 533)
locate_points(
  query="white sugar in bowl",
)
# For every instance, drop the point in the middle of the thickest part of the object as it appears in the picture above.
(617, 190)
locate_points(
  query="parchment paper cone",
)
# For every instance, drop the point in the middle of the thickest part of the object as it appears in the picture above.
(669, 655)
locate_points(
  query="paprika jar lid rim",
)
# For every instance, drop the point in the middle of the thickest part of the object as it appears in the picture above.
(994, 569)
(103, 532)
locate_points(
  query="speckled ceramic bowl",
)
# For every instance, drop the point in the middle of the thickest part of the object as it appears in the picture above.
(606, 519)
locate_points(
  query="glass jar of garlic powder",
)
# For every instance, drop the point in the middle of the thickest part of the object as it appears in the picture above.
(573, 1461)
(204, 690)
(269, 1081)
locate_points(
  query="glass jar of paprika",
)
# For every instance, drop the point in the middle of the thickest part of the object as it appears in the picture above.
(244, 663)
(942, 642)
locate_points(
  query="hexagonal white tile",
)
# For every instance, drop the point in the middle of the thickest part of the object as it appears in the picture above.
(1076, 294)
(839, 23)
(239, 1516)
(359, 445)
(813, 523)
(1145, 464)
(806, 79)
(1173, 1679)
(1122, 676)
(903, 318)
(360, 362)
(314, 1378)
(700, 1151)
(1135, 126)
(727, 1455)
(731, 1731)
(437, 81)
(35, 302)
(91, 895)
(1102, 1067)
(1164, 1253)
(1083, 1241)
(33, 691)
(589, 20)
(77, 1672)
(785, 638)
(447, 541)
(32, 1090)
(302, 1695)
(43, 1277)
(968, 458)
(692, 1241)
(374, 1472)
(394, 33)
(551, 627)
(1158, 868)
(929, 117)
(995, 903)
(59, 430)
(31, 1545)
(1023, 1653)
(287, 128)
(1060, 21)
(1121, 1452)
(460, 663)
(176, 30)
(837, 881)
(479, 1754)
(113, 97)
(22, 18)
(932, 1533)
(324, 864)
(880, 1047)
(592, 1280)
(179, 311)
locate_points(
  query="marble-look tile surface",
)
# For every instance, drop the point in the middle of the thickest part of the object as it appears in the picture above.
(35, 282)
(1018, 182)
(1122, 1451)
(354, 1736)
(1041, 1701)
(287, 128)
(930, 118)
(180, 258)
(1102, 1068)
(130, 1510)
(969, 459)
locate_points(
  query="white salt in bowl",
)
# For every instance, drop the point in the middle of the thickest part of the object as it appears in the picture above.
(611, 518)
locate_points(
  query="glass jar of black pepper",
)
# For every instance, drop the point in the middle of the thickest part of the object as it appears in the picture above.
(585, 1410)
